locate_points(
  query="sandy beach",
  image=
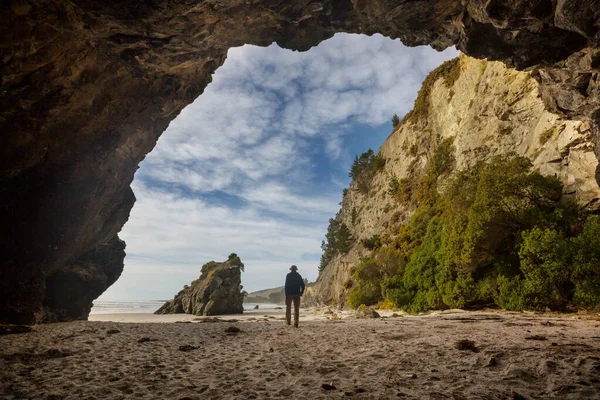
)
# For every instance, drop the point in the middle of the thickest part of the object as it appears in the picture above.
(143, 356)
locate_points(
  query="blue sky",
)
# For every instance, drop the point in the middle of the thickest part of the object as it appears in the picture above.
(257, 164)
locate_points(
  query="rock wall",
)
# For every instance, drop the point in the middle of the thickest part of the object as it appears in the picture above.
(488, 110)
(88, 86)
(217, 291)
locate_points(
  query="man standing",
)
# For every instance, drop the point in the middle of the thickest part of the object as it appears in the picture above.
(294, 289)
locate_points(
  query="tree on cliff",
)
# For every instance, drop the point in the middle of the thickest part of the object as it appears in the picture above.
(235, 261)
(395, 120)
(338, 240)
(364, 168)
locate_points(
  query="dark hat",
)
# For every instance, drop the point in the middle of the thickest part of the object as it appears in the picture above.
(293, 268)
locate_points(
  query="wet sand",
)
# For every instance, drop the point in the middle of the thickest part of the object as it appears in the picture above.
(509, 356)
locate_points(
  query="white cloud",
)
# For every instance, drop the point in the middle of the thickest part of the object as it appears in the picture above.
(272, 135)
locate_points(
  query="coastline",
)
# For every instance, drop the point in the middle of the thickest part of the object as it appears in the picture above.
(414, 357)
(247, 316)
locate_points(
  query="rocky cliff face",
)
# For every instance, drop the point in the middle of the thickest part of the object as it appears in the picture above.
(88, 86)
(216, 291)
(489, 110)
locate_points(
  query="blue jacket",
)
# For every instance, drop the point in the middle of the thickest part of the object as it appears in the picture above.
(294, 284)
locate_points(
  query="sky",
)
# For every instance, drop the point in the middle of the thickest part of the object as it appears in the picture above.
(257, 164)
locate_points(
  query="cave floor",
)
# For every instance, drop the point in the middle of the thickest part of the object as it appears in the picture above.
(462, 355)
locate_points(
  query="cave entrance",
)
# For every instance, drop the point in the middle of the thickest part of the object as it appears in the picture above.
(257, 164)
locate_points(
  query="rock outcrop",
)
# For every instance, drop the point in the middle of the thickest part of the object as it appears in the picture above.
(217, 291)
(88, 86)
(488, 109)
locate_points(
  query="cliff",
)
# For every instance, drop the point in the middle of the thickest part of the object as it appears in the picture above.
(485, 109)
(87, 87)
(217, 291)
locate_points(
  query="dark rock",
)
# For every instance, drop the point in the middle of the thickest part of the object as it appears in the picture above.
(365, 312)
(286, 392)
(112, 331)
(466, 344)
(217, 291)
(188, 347)
(208, 319)
(328, 386)
(146, 339)
(517, 396)
(56, 353)
(493, 362)
(27, 356)
(7, 329)
(79, 111)
(233, 329)
(536, 337)
(256, 307)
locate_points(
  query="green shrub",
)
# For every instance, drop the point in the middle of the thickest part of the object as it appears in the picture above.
(443, 157)
(395, 218)
(209, 266)
(365, 293)
(393, 185)
(544, 256)
(400, 189)
(235, 261)
(487, 290)
(395, 120)
(372, 243)
(510, 293)
(495, 233)
(586, 264)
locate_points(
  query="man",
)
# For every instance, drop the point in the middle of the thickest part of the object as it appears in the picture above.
(294, 289)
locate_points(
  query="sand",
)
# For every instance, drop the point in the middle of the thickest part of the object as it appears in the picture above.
(511, 356)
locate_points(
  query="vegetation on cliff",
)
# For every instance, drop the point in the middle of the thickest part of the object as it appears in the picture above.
(364, 169)
(449, 71)
(338, 240)
(495, 233)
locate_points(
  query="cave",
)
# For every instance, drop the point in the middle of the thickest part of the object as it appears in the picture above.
(89, 86)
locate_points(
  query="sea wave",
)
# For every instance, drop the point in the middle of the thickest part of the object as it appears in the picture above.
(149, 306)
(125, 307)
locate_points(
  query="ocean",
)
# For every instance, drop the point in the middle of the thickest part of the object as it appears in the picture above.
(148, 306)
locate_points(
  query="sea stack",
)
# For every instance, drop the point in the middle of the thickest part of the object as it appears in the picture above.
(218, 290)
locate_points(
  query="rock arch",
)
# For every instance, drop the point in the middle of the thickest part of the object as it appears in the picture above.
(88, 86)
